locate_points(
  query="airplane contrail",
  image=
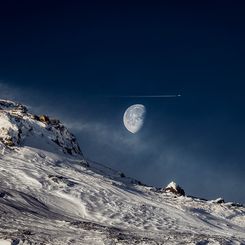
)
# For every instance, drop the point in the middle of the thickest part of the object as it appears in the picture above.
(147, 96)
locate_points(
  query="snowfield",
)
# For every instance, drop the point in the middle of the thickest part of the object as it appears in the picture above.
(49, 194)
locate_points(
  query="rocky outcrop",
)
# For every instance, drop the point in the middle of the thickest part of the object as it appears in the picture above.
(172, 187)
(44, 118)
(18, 126)
(218, 200)
(10, 105)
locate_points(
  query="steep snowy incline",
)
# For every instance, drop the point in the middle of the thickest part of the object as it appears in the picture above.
(57, 197)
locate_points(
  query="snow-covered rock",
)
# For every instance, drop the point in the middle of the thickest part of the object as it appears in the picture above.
(218, 200)
(174, 188)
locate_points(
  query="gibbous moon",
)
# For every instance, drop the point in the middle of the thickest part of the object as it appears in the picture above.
(133, 118)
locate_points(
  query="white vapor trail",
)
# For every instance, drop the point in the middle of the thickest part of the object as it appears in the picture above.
(147, 96)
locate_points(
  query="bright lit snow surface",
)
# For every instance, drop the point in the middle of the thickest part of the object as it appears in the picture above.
(56, 200)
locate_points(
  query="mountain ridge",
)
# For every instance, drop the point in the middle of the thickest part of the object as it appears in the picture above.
(18, 126)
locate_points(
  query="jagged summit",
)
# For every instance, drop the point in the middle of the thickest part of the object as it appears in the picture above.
(19, 127)
(11, 105)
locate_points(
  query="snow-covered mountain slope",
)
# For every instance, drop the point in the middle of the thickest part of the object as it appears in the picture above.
(18, 127)
(49, 194)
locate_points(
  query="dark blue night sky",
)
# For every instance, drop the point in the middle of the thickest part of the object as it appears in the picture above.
(64, 57)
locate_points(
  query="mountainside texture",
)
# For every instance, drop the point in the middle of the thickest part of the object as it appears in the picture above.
(50, 194)
(18, 127)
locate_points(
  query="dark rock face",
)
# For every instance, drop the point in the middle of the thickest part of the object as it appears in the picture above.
(175, 189)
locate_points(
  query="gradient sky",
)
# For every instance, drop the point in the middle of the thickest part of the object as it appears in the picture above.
(63, 57)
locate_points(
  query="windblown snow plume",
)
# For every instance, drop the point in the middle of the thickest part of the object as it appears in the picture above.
(49, 194)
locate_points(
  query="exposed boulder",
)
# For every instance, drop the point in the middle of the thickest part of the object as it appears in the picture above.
(44, 118)
(174, 188)
(218, 200)
(9, 142)
(47, 120)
